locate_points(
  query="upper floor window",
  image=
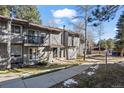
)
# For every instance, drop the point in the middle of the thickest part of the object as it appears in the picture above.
(72, 41)
(61, 38)
(32, 33)
(3, 25)
(16, 29)
(43, 38)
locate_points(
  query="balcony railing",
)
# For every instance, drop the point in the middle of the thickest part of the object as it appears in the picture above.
(34, 39)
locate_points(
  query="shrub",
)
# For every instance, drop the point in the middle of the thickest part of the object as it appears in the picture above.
(42, 63)
(79, 56)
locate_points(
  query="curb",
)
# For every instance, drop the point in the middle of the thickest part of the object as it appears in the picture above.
(42, 73)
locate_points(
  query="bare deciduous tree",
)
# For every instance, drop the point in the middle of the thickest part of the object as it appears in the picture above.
(85, 13)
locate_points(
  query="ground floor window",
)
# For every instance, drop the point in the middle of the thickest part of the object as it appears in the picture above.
(3, 50)
(16, 50)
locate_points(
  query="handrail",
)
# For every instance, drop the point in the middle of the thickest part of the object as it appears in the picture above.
(34, 39)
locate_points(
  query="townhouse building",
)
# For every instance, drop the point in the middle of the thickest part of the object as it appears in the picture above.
(29, 43)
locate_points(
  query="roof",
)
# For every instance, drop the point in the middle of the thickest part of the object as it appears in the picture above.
(73, 33)
(46, 28)
(22, 21)
(4, 18)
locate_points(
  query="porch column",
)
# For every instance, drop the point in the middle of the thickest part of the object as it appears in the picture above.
(9, 44)
(50, 53)
(58, 52)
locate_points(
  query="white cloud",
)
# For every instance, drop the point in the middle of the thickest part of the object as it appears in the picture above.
(58, 21)
(55, 22)
(64, 13)
(74, 20)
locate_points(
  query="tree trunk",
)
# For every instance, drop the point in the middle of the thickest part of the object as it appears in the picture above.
(122, 52)
(99, 48)
(85, 34)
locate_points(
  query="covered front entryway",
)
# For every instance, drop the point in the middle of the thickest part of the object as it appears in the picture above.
(55, 52)
(33, 53)
(58, 52)
(30, 55)
(72, 52)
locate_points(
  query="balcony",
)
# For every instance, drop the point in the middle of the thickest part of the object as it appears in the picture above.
(16, 38)
(34, 40)
(3, 36)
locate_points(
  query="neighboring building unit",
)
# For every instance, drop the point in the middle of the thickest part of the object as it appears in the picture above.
(31, 43)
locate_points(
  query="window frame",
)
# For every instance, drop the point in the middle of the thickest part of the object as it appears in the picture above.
(16, 47)
(13, 30)
(3, 23)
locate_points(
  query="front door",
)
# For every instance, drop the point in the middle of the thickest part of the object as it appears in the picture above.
(33, 53)
(54, 52)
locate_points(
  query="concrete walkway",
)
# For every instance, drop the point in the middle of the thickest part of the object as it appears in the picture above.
(44, 81)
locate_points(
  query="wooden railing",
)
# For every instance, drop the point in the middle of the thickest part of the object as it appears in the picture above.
(34, 39)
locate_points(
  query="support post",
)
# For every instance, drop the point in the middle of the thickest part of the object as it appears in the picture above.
(9, 45)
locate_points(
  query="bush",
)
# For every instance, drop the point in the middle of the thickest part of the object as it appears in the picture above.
(42, 63)
(79, 56)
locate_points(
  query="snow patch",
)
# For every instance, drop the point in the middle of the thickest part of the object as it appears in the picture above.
(90, 73)
(68, 82)
(121, 63)
(84, 72)
(95, 67)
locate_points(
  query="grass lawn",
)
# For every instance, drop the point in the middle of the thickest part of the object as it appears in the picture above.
(117, 59)
(113, 77)
(39, 68)
(101, 58)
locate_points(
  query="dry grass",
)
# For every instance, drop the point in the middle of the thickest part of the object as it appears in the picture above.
(39, 68)
(113, 77)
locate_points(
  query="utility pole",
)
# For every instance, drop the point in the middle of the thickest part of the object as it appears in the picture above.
(99, 34)
(85, 29)
(65, 42)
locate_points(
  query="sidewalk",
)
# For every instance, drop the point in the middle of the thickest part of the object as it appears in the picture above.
(44, 81)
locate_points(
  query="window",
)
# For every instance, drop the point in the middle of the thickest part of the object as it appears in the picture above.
(72, 41)
(61, 38)
(42, 38)
(16, 29)
(16, 50)
(3, 25)
(31, 33)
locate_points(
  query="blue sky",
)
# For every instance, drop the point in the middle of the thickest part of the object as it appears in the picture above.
(47, 15)
(61, 14)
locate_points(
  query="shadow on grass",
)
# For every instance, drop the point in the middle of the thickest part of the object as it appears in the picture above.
(110, 77)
